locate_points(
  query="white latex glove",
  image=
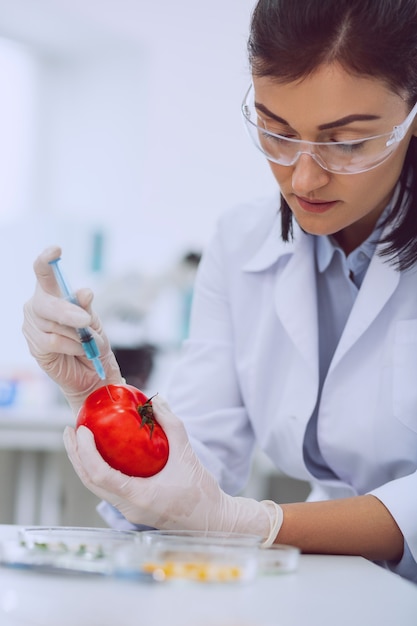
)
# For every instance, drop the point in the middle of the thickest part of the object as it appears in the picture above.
(49, 327)
(183, 495)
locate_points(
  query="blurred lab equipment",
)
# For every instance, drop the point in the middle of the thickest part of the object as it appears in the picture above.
(146, 316)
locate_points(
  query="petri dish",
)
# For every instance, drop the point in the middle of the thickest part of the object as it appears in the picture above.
(66, 549)
(200, 556)
(278, 559)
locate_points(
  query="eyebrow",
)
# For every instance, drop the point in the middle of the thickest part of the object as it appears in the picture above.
(343, 121)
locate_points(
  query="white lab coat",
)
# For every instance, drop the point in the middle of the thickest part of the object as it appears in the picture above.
(249, 372)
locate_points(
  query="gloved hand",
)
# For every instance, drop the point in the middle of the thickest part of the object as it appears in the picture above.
(183, 495)
(49, 327)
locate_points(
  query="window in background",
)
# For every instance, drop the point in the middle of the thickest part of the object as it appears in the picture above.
(18, 110)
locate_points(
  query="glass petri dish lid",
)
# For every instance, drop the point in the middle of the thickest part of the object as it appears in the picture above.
(60, 548)
(205, 537)
(75, 539)
(278, 559)
(200, 556)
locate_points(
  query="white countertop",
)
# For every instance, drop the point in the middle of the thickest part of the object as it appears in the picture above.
(325, 591)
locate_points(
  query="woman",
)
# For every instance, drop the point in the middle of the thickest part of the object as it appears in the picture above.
(304, 325)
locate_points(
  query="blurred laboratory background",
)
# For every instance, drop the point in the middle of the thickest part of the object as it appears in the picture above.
(122, 142)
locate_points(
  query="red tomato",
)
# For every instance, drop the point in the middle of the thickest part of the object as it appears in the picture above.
(125, 431)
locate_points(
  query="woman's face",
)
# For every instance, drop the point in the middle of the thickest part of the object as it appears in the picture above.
(344, 205)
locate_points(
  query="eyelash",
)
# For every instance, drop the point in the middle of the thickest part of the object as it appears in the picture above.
(343, 146)
(351, 147)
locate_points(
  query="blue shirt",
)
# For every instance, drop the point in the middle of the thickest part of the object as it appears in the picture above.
(338, 281)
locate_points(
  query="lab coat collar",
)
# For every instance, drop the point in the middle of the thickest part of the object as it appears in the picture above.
(297, 278)
(384, 279)
(273, 247)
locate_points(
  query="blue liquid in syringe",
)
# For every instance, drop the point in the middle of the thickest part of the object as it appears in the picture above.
(87, 340)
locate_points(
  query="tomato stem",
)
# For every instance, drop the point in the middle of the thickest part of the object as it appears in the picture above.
(146, 413)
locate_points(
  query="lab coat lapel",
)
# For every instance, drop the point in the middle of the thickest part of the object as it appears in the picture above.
(296, 301)
(384, 279)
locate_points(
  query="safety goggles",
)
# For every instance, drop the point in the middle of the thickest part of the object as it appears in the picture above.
(338, 157)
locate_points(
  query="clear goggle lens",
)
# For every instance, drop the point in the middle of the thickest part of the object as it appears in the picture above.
(339, 157)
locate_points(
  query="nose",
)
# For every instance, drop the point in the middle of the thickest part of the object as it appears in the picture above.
(308, 175)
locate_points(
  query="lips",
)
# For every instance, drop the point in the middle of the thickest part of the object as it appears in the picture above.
(315, 206)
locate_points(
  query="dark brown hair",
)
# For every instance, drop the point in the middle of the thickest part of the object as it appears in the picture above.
(289, 39)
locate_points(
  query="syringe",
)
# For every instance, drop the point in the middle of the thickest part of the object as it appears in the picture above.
(87, 340)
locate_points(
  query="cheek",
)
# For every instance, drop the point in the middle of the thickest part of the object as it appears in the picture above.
(377, 185)
(374, 185)
(383, 178)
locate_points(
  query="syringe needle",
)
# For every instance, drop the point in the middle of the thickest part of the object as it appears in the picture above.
(87, 340)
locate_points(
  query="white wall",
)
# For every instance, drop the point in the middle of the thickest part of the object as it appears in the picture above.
(140, 124)
(18, 120)
(138, 133)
